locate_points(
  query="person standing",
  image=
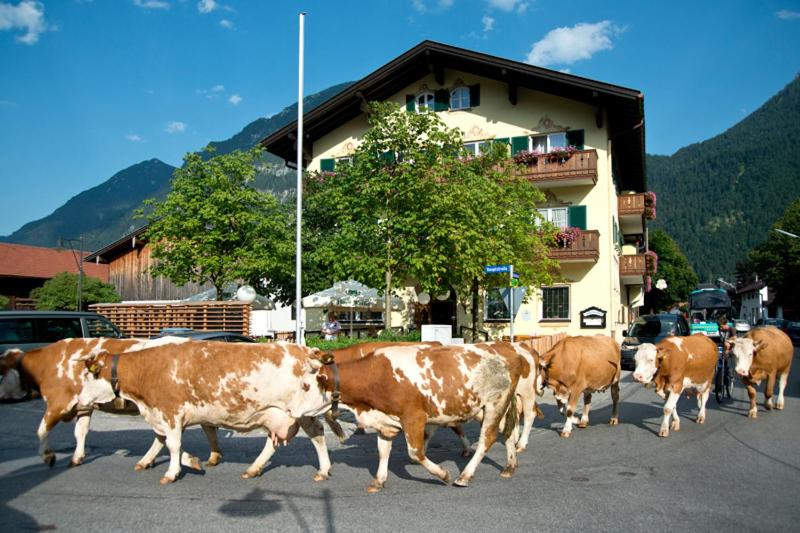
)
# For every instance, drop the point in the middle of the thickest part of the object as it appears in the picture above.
(331, 327)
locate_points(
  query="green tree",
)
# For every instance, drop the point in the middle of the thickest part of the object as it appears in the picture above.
(674, 268)
(4, 302)
(60, 293)
(215, 227)
(777, 259)
(409, 206)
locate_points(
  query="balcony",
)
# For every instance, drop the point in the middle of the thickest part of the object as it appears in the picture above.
(630, 208)
(579, 169)
(585, 248)
(632, 269)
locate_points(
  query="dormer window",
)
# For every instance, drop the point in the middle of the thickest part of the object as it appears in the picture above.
(459, 98)
(425, 102)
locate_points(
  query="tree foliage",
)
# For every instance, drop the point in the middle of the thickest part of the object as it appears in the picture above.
(214, 227)
(777, 259)
(675, 269)
(60, 293)
(411, 206)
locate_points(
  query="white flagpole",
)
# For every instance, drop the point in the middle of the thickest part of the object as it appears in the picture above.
(299, 337)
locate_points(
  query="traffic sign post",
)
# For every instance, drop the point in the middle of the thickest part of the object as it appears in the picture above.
(513, 281)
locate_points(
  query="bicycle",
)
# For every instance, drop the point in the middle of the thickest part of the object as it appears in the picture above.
(723, 377)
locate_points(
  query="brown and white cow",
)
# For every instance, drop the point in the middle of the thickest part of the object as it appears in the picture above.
(578, 366)
(763, 353)
(59, 376)
(677, 364)
(404, 388)
(233, 385)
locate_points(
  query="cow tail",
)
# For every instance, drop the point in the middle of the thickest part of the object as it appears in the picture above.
(335, 426)
(512, 417)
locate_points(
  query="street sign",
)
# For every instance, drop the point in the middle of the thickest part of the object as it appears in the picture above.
(497, 269)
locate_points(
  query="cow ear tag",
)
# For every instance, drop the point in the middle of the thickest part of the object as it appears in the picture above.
(327, 358)
(94, 369)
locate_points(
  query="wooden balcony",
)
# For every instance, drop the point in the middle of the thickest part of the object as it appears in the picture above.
(630, 208)
(585, 249)
(579, 169)
(631, 269)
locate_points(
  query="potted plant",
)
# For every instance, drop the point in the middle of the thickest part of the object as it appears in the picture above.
(560, 154)
(566, 236)
(650, 205)
(527, 157)
(651, 262)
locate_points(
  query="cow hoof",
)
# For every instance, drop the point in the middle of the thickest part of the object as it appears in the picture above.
(768, 406)
(214, 459)
(583, 424)
(75, 462)
(753, 413)
(49, 458)
(701, 420)
(566, 434)
(319, 476)
(675, 426)
(467, 452)
(195, 464)
(142, 466)
(166, 480)
(521, 449)
(375, 486)
(613, 422)
(249, 474)
(508, 472)
(461, 482)
(779, 406)
(663, 433)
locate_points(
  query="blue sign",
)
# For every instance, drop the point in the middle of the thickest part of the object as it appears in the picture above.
(496, 269)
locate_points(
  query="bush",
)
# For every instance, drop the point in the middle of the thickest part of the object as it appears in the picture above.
(60, 293)
(343, 341)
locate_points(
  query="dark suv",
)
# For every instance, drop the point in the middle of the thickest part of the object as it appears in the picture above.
(651, 328)
(27, 330)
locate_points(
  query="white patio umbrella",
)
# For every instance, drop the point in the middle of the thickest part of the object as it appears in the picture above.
(351, 294)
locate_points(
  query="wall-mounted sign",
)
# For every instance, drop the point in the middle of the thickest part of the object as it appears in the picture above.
(593, 318)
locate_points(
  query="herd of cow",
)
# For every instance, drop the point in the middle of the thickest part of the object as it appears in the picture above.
(390, 387)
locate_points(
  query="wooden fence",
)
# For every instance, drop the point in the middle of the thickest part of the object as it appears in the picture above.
(145, 320)
(541, 343)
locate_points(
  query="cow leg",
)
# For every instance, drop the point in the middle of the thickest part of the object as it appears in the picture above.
(569, 413)
(81, 430)
(49, 420)
(751, 393)
(316, 433)
(587, 406)
(147, 460)
(173, 440)
(511, 453)
(769, 387)
(491, 421)
(528, 405)
(215, 455)
(614, 404)
(702, 398)
(781, 387)
(414, 428)
(669, 409)
(255, 469)
(462, 437)
(384, 450)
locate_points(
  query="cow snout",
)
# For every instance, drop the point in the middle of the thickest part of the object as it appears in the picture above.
(637, 376)
(742, 372)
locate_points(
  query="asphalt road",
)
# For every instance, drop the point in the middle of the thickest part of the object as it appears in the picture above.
(731, 474)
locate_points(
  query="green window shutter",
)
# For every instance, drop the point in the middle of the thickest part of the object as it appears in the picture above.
(575, 138)
(389, 157)
(518, 144)
(501, 140)
(327, 165)
(475, 95)
(441, 100)
(410, 102)
(577, 216)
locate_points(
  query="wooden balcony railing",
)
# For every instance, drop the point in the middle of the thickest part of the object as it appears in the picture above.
(630, 204)
(632, 266)
(579, 169)
(584, 248)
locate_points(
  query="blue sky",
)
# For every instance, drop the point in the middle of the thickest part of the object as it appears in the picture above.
(89, 87)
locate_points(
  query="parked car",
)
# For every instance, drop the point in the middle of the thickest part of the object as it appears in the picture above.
(779, 323)
(27, 330)
(651, 328)
(741, 325)
(223, 336)
(793, 330)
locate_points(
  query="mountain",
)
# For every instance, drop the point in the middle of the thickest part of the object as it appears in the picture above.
(718, 198)
(104, 213)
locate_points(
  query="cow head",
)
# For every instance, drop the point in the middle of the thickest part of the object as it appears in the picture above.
(744, 350)
(312, 398)
(648, 358)
(95, 389)
(11, 387)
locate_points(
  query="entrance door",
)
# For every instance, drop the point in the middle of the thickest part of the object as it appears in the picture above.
(444, 311)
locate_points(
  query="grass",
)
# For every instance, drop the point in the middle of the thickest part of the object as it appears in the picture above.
(344, 341)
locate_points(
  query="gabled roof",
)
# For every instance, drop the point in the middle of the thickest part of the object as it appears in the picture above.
(625, 107)
(23, 261)
(116, 248)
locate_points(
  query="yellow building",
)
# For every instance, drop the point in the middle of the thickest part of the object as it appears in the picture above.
(599, 188)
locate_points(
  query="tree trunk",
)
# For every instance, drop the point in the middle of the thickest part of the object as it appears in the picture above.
(387, 302)
(475, 310)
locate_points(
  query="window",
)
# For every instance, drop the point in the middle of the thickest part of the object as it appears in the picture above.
(477, 147)
(55, 329)
(498, 301)
(546, 143)
(557, 216)
(425, 102)
(99, 327)
(459, 98)
(555, 303)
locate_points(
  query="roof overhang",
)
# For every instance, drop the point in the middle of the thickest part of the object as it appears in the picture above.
(624, 108)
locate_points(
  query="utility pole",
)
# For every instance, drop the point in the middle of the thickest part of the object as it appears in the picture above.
(299, 337)
(79, 262)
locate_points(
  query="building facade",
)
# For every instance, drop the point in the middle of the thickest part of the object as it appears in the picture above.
(598, 187)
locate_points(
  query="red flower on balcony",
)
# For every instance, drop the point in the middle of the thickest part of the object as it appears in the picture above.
(650, 205)
(651, 262)
(566, 236)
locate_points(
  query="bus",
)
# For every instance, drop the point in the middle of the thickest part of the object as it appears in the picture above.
(705, 308)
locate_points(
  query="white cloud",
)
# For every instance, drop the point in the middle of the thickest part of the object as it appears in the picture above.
(151, 4)
(28, 15)
(218, 89)
(134, 138)
(213, 92)
(235, 99)
(488, 23)
(175, 127)
(441, 5)
(227, 24)
(785, 14)
(206, 6)
(508, 5)
(568, 45)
